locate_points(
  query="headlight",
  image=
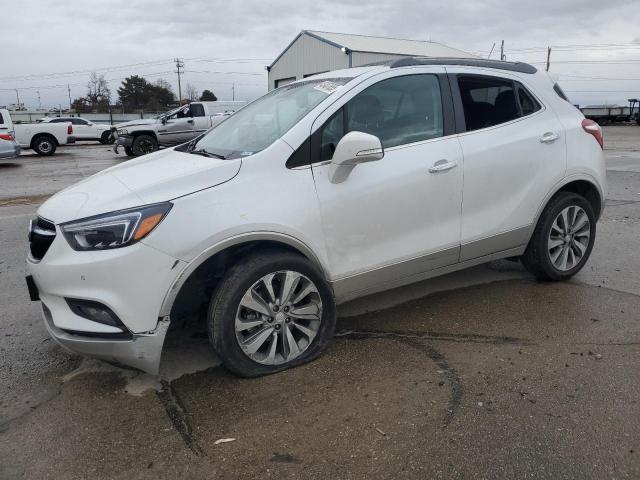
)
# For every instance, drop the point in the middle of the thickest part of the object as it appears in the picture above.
(115, 229)
(123, 131)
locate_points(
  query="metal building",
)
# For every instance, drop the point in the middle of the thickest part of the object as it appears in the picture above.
(313, 52)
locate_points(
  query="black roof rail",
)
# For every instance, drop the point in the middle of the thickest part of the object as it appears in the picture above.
(467, 62)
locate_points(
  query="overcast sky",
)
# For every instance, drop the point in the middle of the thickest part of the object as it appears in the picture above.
(51, 37)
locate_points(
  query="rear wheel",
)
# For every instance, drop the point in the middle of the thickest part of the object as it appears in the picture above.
(44, 145)
(271, 311)
(144, 144)
(563, 238)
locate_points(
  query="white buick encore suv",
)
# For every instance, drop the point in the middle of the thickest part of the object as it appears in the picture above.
(333, 187)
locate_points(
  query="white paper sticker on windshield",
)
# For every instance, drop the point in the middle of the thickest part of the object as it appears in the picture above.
(327, 87)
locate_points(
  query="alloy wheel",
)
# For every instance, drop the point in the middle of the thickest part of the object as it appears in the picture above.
(278, 317)
(569, 238)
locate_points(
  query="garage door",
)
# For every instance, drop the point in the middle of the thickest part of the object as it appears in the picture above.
(285, 81)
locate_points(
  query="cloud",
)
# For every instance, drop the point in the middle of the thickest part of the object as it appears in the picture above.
(69, 35)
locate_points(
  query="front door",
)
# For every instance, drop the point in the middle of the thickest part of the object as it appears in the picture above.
(178, 128)
(399, 216)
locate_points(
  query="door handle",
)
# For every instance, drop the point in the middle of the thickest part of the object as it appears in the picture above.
(443, 165)
(189, 121)
(549, 137)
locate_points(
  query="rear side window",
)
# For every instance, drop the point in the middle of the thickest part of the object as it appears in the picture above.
(528, 104)
(560, 92)
(1, 119)
(489, 101)
(197, 110)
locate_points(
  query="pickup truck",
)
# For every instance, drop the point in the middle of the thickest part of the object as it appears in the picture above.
(43, 138)
(177, 126)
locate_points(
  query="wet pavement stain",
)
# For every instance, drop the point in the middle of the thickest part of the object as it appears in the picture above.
(178, 415)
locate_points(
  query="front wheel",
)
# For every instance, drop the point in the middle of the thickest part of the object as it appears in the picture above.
(563, 238)
(272, 311)
(144, 144)
(106, 138)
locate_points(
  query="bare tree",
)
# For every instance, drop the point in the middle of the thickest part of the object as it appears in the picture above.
(192, 93)
(98, 92)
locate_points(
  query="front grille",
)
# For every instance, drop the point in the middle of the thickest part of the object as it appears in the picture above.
(41, 237)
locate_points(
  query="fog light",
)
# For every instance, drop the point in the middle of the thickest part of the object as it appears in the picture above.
(95, 311)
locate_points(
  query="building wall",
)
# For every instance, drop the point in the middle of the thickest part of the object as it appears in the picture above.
(307, 56)
(363, 58)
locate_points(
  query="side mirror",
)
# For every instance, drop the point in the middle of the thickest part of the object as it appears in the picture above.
(354, 148)
(163, 120)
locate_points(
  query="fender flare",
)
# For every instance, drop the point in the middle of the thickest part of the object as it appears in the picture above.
(557, 187)
(303, 248)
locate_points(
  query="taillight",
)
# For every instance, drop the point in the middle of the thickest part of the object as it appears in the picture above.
(69, 129)
(6, 136)
(594, 129)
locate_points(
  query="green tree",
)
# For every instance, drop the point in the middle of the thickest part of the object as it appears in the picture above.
(208, 96)
(136, 93)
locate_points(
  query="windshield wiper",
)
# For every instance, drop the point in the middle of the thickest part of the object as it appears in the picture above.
(205, 153)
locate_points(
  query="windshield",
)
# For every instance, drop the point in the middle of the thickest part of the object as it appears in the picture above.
(262, 122)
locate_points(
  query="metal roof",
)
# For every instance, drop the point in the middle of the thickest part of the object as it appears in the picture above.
(397, 46)
(393, 46)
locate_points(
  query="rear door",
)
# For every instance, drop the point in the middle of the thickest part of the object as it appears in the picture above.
(201, 121)
(399, 216)
(81, 129)
(514, 152)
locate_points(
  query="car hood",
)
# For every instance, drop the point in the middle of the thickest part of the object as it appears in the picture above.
(135, 123)
(153, 178)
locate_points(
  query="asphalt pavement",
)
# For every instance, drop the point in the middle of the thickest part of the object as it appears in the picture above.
(479, 374)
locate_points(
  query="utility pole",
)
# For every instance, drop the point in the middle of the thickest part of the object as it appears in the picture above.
(233, 91)
(179, 70)
(39, 102)
(494, 46)
(502, 57)
(69, 92)
(18, 97)
(548, 58)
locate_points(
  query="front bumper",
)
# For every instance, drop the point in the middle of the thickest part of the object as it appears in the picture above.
(141, 351)
(123, 141)
(132, 282)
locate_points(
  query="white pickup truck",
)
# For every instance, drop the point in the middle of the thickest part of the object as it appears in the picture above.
(43, 138)
(180, 125)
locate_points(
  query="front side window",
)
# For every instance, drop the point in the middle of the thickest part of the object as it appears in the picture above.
(398, 111)
(259, 124)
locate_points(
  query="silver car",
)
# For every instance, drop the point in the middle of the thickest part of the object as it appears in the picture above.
(8, 146)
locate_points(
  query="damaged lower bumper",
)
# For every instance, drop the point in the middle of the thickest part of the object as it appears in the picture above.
(140, 351)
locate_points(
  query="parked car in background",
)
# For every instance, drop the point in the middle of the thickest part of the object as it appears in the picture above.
(139, 137)
(84, 129)
(9, 148)
(324, 190)
(43, 138)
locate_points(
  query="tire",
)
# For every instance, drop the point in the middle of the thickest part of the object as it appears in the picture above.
(106, 138)
(144, 144)
(247, 276)
(545, 253)
(44, 145)
(128, 151)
